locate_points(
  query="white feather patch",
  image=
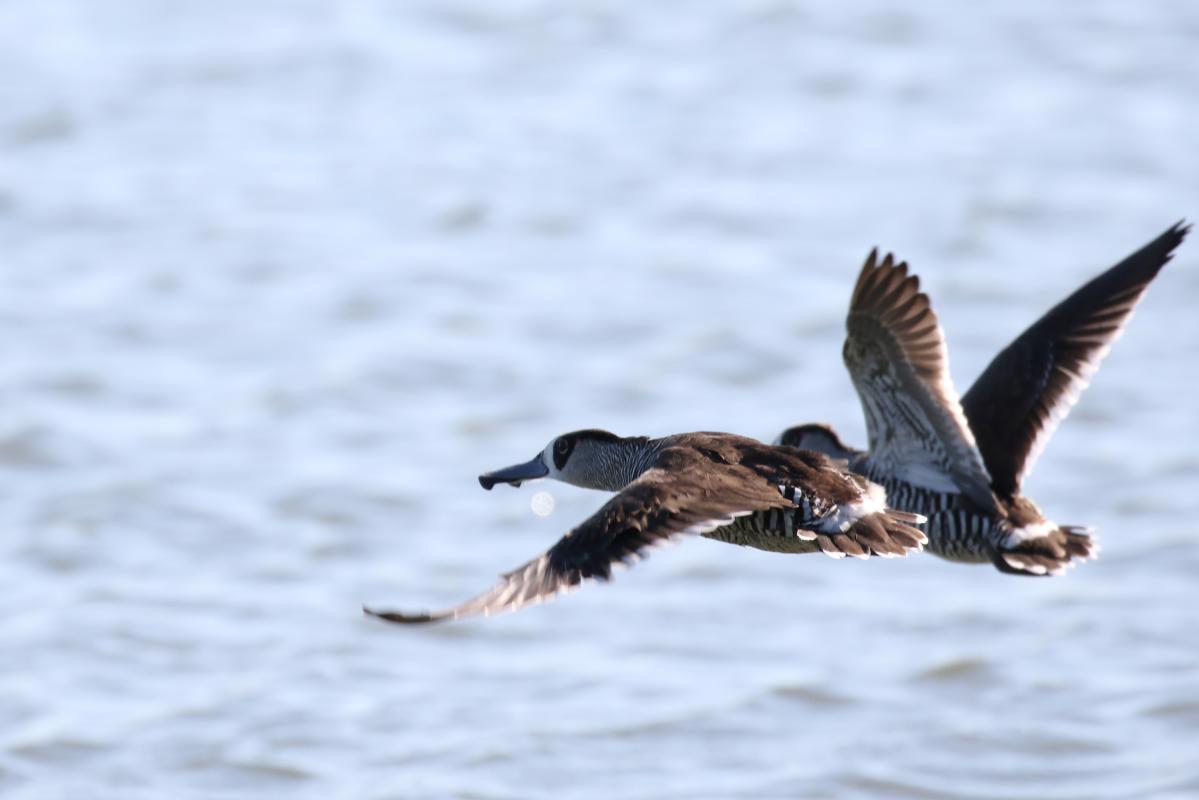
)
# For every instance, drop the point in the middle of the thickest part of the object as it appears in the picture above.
(709, 525)
(1036, 530)
(874, 501)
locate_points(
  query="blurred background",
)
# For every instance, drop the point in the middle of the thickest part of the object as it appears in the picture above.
(279, 280)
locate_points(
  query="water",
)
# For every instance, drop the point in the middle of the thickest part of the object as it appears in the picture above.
(279, 280)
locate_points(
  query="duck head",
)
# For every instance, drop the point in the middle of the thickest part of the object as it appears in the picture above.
(818, 437)
(593, 459)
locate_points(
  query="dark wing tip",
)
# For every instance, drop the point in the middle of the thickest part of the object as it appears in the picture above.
(879, 283)
(402, 618)
(1149, 260)
(1169, 241)
(889, 295)
(1175, 236)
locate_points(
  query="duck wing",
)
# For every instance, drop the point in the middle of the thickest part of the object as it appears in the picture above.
(896, 356)
(666, 502)
(1029, 388)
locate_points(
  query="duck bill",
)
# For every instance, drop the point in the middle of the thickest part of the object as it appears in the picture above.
(529, 471)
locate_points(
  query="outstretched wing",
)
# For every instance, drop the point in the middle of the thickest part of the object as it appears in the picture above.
(664, 503)
(1022, 395)
(896, 355)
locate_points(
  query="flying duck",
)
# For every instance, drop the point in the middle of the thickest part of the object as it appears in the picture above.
(717, 485)
(961, 463)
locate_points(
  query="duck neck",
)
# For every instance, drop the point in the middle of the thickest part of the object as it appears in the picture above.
(614, 465)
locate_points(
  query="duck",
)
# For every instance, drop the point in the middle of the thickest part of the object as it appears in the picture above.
(961, 461)
(721, 486)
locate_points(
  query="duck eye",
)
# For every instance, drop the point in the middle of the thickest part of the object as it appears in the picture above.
(562, 448)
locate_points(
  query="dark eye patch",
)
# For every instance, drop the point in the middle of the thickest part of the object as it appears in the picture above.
(562, 448)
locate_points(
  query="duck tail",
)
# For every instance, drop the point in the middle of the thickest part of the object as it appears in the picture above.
(887, 533)
(1044, 549)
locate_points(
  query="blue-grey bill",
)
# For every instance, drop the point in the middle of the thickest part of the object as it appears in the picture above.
(515, 475)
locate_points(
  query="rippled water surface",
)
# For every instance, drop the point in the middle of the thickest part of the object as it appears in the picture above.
(277, 281)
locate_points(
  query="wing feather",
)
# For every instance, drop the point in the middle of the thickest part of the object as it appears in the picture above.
(896, 355)
(658, 507)
(1031, 385)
